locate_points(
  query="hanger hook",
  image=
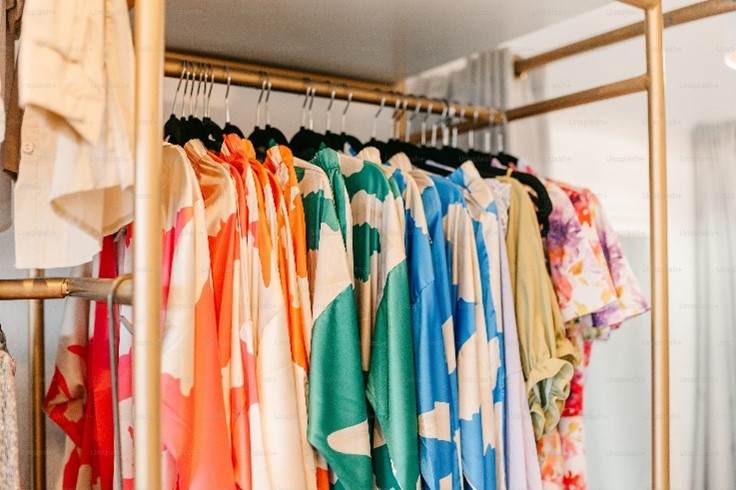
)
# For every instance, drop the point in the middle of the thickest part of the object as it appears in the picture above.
(268, 97)
(453, 134)
(306, 101)
(397, 120)
(424, 123)
(209, 93)
(328, 121)
(441, 123)
(343, 117)
(264, 83)
(397, 108)
(375, 118)
(205, 86)
(409, 120)
(199, 88)
(186, 87)
(191, 89)
(471, 132)
(311, 103)
(227, 95)
(489, 131)
(178, 85)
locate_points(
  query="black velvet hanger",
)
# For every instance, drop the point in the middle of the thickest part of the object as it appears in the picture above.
(174, 127)
(373, 142)
(541, 200)
(306, 142)
(212, 135)
(173, 130)
(263, 138)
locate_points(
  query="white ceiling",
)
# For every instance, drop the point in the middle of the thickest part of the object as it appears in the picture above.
(380, 40)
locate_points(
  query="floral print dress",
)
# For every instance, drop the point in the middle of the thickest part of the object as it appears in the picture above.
(597, 291)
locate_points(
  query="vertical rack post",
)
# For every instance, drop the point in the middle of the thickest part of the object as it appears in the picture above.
(149, 59)
(38, 377)
(658, 247)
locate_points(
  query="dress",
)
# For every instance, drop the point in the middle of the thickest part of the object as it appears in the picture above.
(338, 423)
(382, 302)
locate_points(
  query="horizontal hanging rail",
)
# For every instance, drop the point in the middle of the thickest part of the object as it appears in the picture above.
(676, 17)
(295, 82)
(602, 92)
(91, 288)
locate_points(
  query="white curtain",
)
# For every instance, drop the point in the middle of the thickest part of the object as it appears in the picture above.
(714, 459)
(487, 79)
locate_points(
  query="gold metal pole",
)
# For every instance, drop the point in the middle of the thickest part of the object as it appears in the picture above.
(38, 376)
(273, 71)
(603, 92)
(91, 288)
(676, 17)
(149, 56)
(251, 75)
(658, 250)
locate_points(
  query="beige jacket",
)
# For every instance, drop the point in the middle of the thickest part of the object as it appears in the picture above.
(75, 183)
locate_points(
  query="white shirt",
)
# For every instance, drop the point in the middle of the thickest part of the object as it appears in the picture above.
(76, 81)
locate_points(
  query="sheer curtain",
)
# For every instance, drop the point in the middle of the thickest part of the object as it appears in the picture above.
(487, 79)
(714, 460)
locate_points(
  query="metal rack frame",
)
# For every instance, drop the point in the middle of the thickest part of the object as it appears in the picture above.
(153, 63)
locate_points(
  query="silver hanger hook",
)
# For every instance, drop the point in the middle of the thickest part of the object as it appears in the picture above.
(404, 106)
(410, 120)
(328, 121)
(446, 120)
(191, 89)
(343, 117)
(306, 101)
(209, 93)
(397, 108)
(199, 88)
(311, 103)
(489, 131)
(375, 118)
(178, 85)
(424, 123)
(471, 132)
(264, 83)
(227, 95)
(453, 137)
(186, 86)
(268, 97)
(440, 122)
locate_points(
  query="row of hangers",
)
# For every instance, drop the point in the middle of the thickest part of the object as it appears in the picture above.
(429, 156)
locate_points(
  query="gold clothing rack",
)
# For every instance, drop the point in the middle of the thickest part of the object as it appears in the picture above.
(153, 62)
(298, 82)
(90, 288)
(696, 11)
